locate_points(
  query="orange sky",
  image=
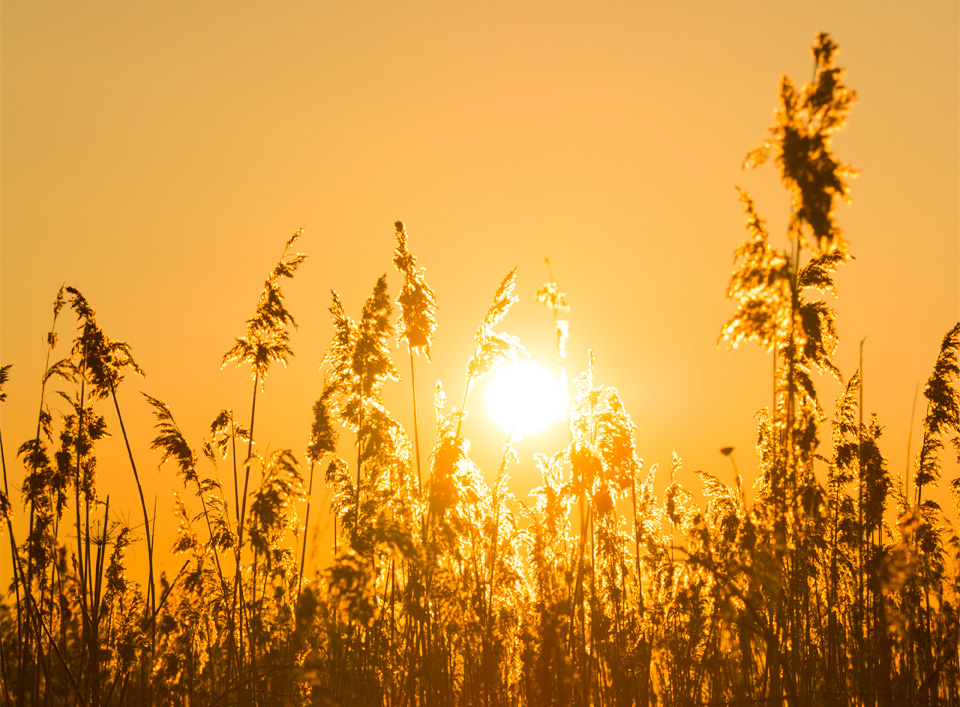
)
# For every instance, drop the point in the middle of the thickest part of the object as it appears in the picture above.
(157, 156)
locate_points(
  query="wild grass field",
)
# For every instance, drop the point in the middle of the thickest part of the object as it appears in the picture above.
(837, 584)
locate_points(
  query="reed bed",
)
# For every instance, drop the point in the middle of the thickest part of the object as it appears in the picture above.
(836, 585)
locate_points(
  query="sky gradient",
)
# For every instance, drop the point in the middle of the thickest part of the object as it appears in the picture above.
(156, 157)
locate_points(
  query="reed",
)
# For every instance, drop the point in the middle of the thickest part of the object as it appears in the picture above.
(836, 585)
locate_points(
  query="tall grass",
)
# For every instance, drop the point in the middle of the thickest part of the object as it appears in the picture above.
(837, 585)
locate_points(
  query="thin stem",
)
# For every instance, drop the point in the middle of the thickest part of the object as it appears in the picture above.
(151, 592)
(463, 404)
(82, 568)
(416, 429)
(216, 552)
(860, 533)
(306, 529)
(53, 644)
(913, 414)
(16, 575)
(491, 575)
(238, 594)
(356, 517)
(233, 456)
(28, 580)
(246, 464)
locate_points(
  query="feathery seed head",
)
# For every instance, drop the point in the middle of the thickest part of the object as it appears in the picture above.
(267, 340)
(417, 301)
(4, 376)
(94, 354)
(494, 349)
(800, 145)
(323, 434)
(943, 409)
(171, 443)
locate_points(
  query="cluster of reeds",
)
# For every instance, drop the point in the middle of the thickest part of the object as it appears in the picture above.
(837, 585)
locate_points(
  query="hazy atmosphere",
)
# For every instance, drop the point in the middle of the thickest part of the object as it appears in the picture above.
(158, 156)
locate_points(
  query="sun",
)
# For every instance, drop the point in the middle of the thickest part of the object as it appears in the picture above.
(524, 398)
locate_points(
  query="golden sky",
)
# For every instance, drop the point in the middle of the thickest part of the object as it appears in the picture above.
(157, 155)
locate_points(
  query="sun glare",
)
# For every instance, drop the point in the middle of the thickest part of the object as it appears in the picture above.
(525, 398)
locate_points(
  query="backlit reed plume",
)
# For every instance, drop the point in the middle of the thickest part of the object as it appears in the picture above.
(493, 349)
(556, 301)
(828, 583)
(417, 322)
(265, 342)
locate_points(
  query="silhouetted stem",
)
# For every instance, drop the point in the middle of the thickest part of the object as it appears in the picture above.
(151, 593)
(16, 577)
(238, 585)
(53, 644)
(246, 464)
(913, 413)
(491, 575)
(216, 552)
(860, 529)
(80, 556)
(28, 580)
(416, 429)
(236, 479)
(356, 517)
(463, 405)
(306, 530)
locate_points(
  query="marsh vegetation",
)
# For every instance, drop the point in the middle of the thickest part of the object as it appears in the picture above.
(837, 584)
